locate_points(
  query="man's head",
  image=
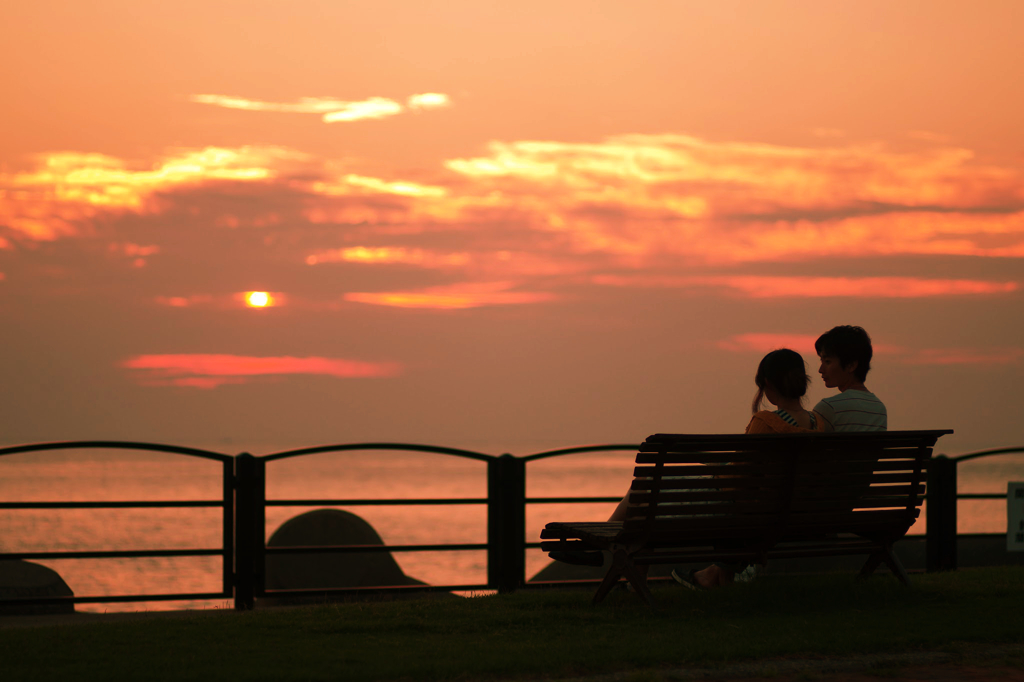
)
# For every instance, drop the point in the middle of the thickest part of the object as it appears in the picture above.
(851, 346)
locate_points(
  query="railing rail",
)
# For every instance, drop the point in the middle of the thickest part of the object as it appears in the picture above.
(244, 503)
(226, 503)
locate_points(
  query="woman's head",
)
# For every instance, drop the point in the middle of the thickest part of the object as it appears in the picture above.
(784, 371)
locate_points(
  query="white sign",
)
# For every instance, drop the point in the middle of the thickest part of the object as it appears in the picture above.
(1015, 517)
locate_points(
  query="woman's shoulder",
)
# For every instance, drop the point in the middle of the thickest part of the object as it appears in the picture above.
(766, 422)
(769, 422)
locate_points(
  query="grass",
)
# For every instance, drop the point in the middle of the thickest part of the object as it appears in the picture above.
(533, 634)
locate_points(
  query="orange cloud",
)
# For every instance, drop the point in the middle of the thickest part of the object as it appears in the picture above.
(70, 188)
(765, 342)
(759, 286)
(641, 203)
(353, 184)
(210, 371)
(804, 344)
(331, 110)
(965, 356)
(429, 100)
(184, 301)
(638, 196)
(387, 254)
(455, 296)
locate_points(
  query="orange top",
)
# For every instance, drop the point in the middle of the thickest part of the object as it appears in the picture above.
(769, 422)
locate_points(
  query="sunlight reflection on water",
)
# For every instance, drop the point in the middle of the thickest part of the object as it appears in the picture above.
(93, 475)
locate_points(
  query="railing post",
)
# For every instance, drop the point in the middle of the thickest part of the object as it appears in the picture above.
(940, 541)
(250, 493)
(506, 523)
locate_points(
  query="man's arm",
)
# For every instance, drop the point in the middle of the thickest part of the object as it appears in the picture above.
(827, 414)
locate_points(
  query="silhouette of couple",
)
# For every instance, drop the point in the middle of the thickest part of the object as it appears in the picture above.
(845, 354)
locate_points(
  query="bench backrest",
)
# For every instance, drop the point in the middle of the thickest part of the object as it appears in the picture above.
(760, 489)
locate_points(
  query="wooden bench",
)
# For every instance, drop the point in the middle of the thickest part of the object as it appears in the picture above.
(753, 498)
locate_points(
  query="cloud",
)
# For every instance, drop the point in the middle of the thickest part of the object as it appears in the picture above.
(387, 254)
(330, 109)
(636, 196)
(351, 183)
(184, 301)
(765, 342)
(454, 296)
(70, 189)
(375, 107)
(965, 356)
(759, 286)
(212, 370)
(804, 344)
(658, 211)
(429, 100)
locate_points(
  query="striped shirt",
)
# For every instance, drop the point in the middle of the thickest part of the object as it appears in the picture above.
(791, 420)
(853, 410)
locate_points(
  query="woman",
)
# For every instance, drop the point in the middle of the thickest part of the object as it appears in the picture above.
(782, 379)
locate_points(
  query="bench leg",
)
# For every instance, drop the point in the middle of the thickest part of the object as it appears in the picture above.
(638, 581)
(615, 572)
(887, 555)
(893, 562)
(870, 565)
(623, 566)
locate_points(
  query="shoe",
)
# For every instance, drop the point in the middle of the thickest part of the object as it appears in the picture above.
(578, 557)
(689, 580)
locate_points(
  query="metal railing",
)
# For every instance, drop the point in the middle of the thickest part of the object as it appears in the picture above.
(941, 512)
(252, 549)
(244, 503)
(226, 504)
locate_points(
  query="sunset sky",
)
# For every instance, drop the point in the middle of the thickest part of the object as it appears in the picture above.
(502, 225)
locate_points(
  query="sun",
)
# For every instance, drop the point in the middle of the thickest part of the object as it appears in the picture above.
(258, 299)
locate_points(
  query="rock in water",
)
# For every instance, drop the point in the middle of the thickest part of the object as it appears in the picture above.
(25, 580)
(330, 527)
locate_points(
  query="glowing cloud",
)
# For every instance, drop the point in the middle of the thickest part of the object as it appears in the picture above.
(404, 188)
(375, 107)
(756, 286)
(331, 110)
(184, 301)
(804, 344)
(965, 356)
(387, 254)
(763, 343)
(456, 296)
(428, 100)
(71, 188)
(639, 196)
(210, 371)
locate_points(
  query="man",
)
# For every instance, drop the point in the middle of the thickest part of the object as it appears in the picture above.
(845, 353)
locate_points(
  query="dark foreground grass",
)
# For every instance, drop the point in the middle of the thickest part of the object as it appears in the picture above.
(534, 634)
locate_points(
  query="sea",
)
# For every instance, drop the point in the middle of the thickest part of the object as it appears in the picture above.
(118, 475)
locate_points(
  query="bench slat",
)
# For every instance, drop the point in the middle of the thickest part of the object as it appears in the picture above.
(709, 495)
(708, 483)
(738, 469)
